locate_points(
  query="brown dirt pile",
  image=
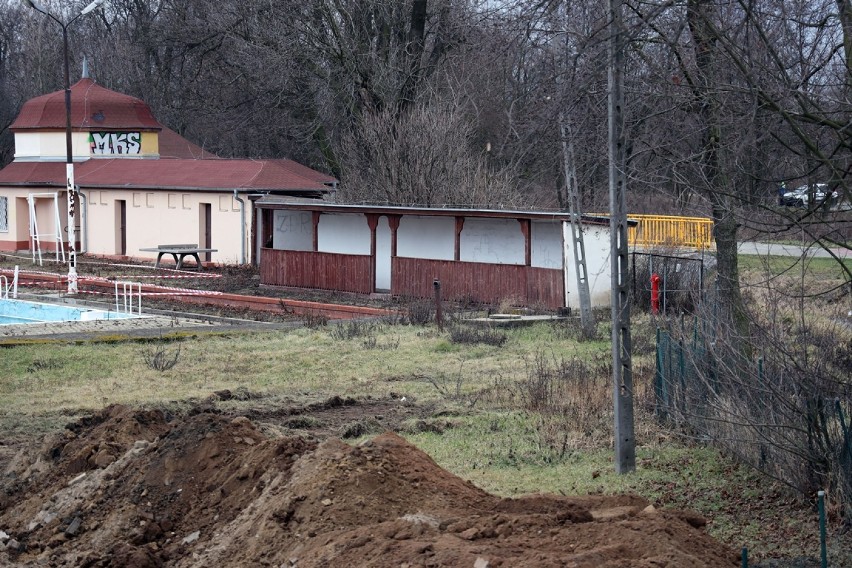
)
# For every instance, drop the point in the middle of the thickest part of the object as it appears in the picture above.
(138, 489)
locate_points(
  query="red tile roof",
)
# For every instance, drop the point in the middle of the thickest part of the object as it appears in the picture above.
(305, 171)
(173, 145)
(168, 173)
(92, 108)
(182, 164)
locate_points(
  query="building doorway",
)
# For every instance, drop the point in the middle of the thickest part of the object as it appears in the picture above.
(121, 228)
(205, 232)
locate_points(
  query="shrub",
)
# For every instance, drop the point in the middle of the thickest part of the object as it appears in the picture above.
(419, 312)
(473, 335)
(353, 329)
(313, 320)
(159, 358)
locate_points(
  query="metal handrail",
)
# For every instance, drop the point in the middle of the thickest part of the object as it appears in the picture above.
(124, 300)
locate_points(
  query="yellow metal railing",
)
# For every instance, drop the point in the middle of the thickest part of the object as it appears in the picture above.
(671, 231)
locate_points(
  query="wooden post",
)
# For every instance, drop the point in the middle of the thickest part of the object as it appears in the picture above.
(439, 314)
(316, 218)
(459, 227)
(372, 222)
(526, 229)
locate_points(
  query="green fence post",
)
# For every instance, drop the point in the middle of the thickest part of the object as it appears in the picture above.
(847, 433)
(744, 557)
(658, 377)
(822, 552)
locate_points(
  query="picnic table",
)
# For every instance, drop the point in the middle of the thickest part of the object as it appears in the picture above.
(179, 253)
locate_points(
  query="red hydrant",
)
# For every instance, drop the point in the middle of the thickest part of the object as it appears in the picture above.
(655, 294)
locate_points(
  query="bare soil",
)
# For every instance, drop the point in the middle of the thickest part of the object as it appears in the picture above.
(274, 485)
(143, 488)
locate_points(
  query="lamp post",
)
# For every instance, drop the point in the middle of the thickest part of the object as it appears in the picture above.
(69, 157)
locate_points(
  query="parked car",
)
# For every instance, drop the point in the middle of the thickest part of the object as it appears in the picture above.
(802, 196)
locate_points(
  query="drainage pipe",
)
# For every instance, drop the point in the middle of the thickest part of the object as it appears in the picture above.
(242, 226)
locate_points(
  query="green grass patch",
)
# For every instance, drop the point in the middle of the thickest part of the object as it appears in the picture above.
(816, 268)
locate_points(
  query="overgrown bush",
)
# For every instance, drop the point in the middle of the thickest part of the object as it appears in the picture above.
(571, 329)
(451, 387)
(313, 320)
(372, 342)
(780, 400)
(466, 334)
(570, 399)
(420, 311)
(159, 358)
(356, 328)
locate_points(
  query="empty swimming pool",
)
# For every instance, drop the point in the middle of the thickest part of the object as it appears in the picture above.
(24, 312)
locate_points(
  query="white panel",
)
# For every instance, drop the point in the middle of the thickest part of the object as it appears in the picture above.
(50, 145)
(345, 233)
(292, 230)
(383, 255)
(597, 246)
(27, 144)
(426, 237)
(547, 244)
(496, 241)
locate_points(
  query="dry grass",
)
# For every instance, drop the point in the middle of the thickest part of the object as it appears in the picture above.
(37, 378)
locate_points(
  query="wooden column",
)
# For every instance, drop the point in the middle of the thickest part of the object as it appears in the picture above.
(316, 218)
(393, 223)
(526, 226)
(372, 222)
(459, 227)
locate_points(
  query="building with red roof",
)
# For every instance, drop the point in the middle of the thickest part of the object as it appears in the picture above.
(140, 183)
(143, 185)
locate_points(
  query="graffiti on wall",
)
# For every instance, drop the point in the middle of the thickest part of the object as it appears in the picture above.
(115, 142)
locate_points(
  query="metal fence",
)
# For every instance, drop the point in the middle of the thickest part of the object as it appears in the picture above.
(671, 231)
(681, 281)
(789, 421)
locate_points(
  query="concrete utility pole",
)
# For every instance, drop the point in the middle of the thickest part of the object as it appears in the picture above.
(70, 188)
(622, 374)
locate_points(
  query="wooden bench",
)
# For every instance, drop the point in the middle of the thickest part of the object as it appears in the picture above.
(179, 252)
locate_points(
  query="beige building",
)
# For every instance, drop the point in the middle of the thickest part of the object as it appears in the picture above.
(140, 184)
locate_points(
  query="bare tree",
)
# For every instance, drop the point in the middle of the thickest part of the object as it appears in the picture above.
(424, 157)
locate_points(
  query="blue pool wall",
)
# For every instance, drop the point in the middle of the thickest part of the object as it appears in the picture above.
(32, 312)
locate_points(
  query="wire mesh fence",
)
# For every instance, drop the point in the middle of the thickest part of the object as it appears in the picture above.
(779, 404)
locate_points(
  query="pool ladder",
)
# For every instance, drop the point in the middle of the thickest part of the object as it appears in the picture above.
(5, 287)
(124, 299)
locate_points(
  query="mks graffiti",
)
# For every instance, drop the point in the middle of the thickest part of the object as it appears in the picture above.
(115, 142)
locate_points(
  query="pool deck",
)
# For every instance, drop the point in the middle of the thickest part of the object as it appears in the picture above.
(153, 325)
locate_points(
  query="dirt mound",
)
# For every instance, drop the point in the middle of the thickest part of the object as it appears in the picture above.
(139, 489)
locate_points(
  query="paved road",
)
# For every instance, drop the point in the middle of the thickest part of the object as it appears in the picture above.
(777, 249)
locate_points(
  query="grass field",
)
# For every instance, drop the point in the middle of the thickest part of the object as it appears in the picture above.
(496, 427)
(515, 411)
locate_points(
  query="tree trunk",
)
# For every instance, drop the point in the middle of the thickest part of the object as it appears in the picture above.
(704, 34)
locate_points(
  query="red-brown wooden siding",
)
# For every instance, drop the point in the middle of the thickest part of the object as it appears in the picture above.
(491, 283)
(322, 270)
